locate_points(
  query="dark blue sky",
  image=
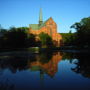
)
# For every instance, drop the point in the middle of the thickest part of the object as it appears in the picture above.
(24, 12)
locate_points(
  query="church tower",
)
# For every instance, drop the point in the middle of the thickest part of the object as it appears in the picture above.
(40, 17)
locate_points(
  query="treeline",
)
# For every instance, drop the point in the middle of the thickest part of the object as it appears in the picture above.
(81, 38)
(68, 38)
(19, 38)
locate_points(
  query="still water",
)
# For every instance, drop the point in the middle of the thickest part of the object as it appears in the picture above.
(51, 70)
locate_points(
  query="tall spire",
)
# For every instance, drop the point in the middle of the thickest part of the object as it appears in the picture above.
(40, 17)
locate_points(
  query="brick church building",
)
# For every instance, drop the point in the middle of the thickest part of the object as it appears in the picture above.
(49, 27)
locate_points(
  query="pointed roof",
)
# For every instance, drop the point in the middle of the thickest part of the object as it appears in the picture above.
(40, 15)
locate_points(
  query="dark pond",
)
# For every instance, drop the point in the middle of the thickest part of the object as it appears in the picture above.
(57, 70)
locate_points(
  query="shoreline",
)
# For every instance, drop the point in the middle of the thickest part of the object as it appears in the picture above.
(38, 49)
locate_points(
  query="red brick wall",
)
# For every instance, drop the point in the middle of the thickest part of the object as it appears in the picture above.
(51, 29)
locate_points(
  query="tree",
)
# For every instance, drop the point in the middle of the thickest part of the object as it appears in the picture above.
(15, 38)
(30, 41)
(2, 33)
(46, 40)
(82, 32)
(68, 38)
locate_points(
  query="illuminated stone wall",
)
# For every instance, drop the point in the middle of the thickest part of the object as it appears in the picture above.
(50, 28)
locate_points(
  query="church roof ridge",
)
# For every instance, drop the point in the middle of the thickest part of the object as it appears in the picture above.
(36, 26)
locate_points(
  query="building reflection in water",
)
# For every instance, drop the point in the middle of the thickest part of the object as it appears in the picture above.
(50, 67)
(45, 63)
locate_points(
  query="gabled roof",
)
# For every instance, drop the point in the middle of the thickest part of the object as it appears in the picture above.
(37, 26)
(34, 26)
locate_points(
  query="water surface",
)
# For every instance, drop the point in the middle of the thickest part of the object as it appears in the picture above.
(53, 70)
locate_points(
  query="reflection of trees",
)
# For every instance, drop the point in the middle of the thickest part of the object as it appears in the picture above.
(69, 56)
(46, 57)
(13, 63)
(83, 65)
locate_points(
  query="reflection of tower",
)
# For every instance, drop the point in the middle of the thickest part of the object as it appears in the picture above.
(49, 67)
(41, 78)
